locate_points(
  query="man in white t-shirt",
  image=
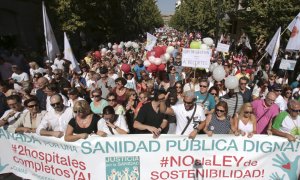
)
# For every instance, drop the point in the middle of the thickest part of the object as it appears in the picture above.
(287, 123)
(59, 61)
(19, 79)
(185, 113)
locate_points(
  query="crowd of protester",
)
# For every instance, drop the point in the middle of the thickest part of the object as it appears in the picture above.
(54, 100)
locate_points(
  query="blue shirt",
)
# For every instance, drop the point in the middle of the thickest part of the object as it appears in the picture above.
(209, 104)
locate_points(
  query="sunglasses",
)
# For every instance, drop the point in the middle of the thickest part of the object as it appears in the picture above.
(219, 110)
(96, 96)
(190, 103)
(277, 90)
(248, 112)
(296, 110)
(203, 86)
(33, 105)
(111, 100)
(78, 112)
(213, 94)
(55, 104)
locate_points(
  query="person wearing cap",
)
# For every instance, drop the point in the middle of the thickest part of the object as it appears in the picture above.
(54, 123)
(265, 110)
(190, 116)
(106, 84)
(73, 95)
(287, 123)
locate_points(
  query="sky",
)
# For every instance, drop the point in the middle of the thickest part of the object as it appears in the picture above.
(166, 6)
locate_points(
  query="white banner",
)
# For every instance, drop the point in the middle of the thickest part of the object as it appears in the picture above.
(196, 58)
(223, 47)
(142, 157)
(287, 64)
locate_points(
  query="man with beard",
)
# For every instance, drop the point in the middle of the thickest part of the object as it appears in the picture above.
(190, 116)
(54, 123)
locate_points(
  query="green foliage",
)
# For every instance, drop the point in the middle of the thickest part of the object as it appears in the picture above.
(106, 20)
(195, 15)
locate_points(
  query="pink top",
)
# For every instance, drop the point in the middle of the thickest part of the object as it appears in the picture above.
(259, 108)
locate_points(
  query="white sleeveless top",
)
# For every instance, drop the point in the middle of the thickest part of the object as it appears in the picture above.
(248, 128)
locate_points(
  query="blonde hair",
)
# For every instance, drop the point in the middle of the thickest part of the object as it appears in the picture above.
(82, 106)
(33, 65)
(242, 110)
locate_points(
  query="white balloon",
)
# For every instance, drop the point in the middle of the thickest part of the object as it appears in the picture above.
(167, 56)
(152, 59)
(147, 63)
(163, 61)
(109, 45)
(120, 46)
(212, 67)
(208, 41)
(129, 43)
(231, 82)
(103, 50)
(135, 45)
(157, 61)
(170, 49)
(219, 73)
(115, 47)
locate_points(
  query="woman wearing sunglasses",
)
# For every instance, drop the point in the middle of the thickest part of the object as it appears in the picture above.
(83, 124)
(245, 121)
(98, 103)
(218, 122)
(29, 120)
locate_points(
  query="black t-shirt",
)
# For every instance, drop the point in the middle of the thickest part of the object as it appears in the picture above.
(93, 128)
(148, 116)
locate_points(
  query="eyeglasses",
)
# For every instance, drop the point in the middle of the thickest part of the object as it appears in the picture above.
(295, 110)
(189, 103)
(33, 105)
(55, 104)
(248, 112)
(111, 100)
(97, 95)
(219, 110)
(203, 86)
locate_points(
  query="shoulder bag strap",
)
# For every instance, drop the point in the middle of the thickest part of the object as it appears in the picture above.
(189, 120)
(109, 128)
(205, 98)
(236, 102)
(262, 116)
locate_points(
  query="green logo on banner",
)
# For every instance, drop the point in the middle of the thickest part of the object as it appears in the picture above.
(122, 167)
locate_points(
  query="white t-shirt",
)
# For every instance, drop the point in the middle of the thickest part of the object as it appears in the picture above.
(181, 115)
(120, 122)
(59, 63)
(290, 126)
(20, 77)
(34, 71)
(281, 103)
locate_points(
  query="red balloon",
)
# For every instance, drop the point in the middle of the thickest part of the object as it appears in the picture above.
(126, 68)
(152, 68)
(161, 67)
(158, 51)
(150, 53)
(164, 48)
(97, 54)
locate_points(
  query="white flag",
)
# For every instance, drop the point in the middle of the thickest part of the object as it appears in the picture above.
(69, 54)
(151, 41)
(294, 41)
(51, 44)
(292, 24)
(273, 47)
